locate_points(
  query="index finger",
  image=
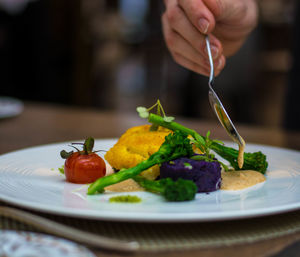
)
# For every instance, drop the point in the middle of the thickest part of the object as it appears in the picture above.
(199, 14)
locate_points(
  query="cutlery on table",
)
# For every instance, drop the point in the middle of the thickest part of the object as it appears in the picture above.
(68, 232)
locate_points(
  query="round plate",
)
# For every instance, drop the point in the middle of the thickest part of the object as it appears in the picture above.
(22, 244)
(30, 178)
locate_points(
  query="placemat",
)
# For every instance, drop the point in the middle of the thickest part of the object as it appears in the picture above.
(178, 236)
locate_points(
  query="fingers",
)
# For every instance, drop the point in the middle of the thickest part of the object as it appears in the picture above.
(191, 59)
(204, 14)
(199, 15)
(196, 67)
(186, 44)
(187, 22)
(190, 65)
(178, 21)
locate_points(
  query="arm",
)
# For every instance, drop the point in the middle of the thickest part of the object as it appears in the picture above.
(186, 22)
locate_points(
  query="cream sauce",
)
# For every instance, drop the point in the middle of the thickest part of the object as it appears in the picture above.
(237, 180)
(241, 154)
(128, 185)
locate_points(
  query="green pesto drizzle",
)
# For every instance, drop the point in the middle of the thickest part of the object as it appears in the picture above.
(125, 199)
(62, 169)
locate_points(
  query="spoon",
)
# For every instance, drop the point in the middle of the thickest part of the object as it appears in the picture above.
(220, 111)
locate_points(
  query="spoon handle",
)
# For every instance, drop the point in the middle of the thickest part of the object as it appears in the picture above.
(211, 62)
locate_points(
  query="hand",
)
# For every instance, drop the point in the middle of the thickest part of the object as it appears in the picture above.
(187, 22)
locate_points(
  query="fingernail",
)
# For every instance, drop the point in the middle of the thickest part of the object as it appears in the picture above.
(214, 51)
(203, 25)
(219, 63)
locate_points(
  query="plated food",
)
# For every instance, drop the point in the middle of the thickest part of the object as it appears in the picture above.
(135, 146)
(183, 155)
(176, 162)
(165, 158)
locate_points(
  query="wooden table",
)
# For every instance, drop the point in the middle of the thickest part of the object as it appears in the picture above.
(43, 123)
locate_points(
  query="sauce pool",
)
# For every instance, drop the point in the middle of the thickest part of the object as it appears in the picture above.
(237, 180)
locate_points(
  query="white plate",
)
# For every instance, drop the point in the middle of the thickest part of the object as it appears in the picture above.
(10, 107)
(24, 244)
(30, 178)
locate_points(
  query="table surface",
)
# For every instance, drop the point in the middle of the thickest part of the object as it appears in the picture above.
(47, 123)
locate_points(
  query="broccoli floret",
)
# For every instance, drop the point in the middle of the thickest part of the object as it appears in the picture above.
(175, 191)
(175, 145)
(252, 161)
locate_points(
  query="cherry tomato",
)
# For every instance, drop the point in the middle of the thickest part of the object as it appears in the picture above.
(84, 168)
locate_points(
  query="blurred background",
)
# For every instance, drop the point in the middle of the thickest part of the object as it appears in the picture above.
(110, 54)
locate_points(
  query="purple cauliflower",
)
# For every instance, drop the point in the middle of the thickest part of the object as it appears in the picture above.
(206, 175)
